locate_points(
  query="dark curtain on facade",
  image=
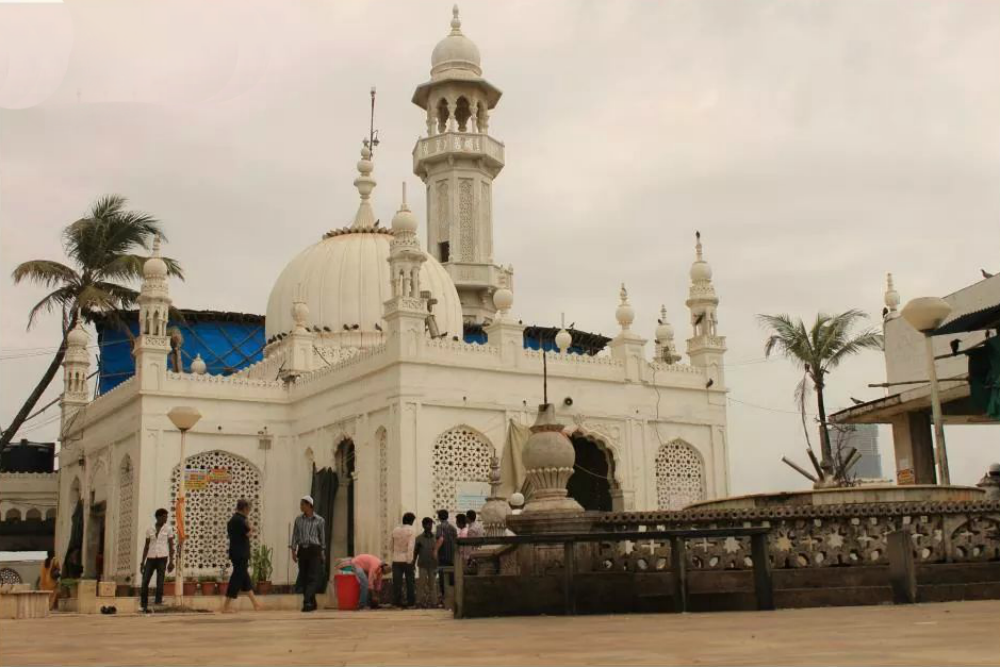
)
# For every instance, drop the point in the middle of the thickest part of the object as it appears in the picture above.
(984, 377)
(324, 490)
(73, 561)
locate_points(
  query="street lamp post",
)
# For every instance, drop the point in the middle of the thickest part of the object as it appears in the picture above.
(183, 418)
(926, 314)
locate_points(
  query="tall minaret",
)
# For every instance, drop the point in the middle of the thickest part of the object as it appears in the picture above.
(76, 368)
(705, 347)
(153, 345)
(406, 310)
(458, 161)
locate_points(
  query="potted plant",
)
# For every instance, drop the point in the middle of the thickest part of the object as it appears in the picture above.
(168, 586)
(208, 585)
(260, 568)
(190, 587)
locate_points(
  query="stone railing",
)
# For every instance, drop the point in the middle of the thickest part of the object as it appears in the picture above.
(806, 536)
(811, 536)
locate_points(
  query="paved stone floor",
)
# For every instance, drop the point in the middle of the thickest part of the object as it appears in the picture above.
(964, 633)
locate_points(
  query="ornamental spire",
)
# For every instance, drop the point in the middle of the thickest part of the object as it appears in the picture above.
(365, 217)
(456, 22)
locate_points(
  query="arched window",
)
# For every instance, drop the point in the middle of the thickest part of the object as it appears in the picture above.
(215, 481)
(680, 476)
(460, 455)
(462, 113)
(13, 514)
(442, 115)
(33, 515)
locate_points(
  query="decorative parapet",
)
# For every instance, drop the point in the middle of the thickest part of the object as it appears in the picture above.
(815, 535)
(227, 380)
(658, 367)
(582, 359)
(461, 347)
(359, 356)
(266, 368)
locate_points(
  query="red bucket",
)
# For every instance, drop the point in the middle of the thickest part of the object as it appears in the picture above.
(348, 591)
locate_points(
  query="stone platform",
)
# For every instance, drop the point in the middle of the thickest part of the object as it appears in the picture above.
(925, 634)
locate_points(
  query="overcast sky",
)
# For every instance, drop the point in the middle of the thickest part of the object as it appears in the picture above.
(816, 145)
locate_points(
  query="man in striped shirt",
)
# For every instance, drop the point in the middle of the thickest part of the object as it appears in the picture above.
(309, 551)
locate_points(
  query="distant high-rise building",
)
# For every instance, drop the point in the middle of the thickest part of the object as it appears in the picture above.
(863, 437)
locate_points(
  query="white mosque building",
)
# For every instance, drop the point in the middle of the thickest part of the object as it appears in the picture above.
(368, 394)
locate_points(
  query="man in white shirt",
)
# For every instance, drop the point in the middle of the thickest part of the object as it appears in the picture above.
(158, 557)
(403, 538)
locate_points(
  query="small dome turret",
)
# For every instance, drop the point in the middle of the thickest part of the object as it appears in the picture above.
(77, 337)
(664, 331)
(625, 313)
(404, 220)
(701, 271)
(155, 267)
(456, 51)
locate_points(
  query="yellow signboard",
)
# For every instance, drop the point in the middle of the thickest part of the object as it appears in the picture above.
(905, 476)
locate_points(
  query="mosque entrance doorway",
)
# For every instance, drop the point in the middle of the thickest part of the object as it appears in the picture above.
(592, 481)
(343, 504)
(95, 541)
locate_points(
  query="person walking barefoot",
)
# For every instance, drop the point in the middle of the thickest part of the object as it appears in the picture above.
(240, 530)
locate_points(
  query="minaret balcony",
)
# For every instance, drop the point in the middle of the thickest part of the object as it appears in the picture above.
(461, 145)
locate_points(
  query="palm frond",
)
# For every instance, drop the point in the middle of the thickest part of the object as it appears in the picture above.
(870, 339)
(64, 297)
(44, 272)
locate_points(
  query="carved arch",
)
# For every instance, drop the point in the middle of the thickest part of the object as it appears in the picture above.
(680, 475)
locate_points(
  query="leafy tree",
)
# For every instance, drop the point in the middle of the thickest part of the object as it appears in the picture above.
(102, 249)
(817, 351)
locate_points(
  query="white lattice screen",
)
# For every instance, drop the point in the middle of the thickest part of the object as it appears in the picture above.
(460, 455)
(383, 494)
(124, 535)
(216, 480)
(680, 476)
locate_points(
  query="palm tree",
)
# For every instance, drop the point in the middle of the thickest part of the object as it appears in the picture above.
(818, 350)
(101, 248)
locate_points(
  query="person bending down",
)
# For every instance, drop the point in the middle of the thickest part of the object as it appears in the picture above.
(369, 570)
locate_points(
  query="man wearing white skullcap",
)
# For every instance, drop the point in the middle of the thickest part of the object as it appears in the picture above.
(308, 550)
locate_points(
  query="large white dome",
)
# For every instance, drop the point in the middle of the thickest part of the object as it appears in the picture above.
(344, 280)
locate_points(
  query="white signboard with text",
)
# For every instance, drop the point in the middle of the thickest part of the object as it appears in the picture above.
(471, 495)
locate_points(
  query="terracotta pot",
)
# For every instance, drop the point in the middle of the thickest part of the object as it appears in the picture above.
(263, 587)
(123, 590)
(169, 590)
(190, 588)
(208, 588)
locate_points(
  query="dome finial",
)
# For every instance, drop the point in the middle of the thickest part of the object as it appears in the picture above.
(625, 314)
(456, 22)
(697, 246)
(156, 245)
